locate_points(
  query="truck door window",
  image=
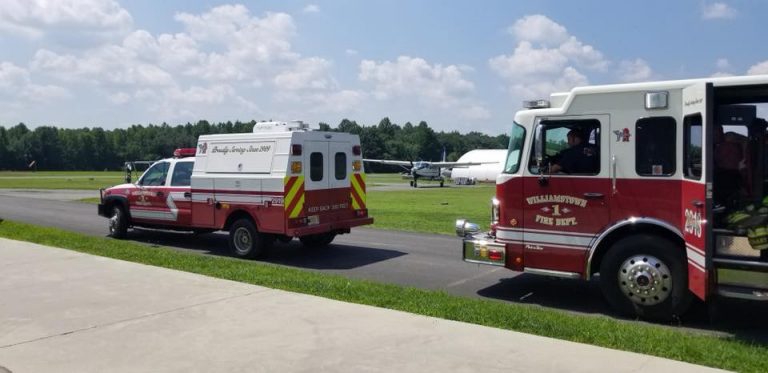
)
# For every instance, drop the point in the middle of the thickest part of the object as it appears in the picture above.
(692, 146)
(340, 162)
(655, 141)
(182, 174)
(568, 147)
(316, 166)
(156, 175)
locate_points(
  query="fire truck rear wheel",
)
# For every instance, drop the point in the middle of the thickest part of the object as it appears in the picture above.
(245, 241)
(118, 223)
(317, 240)
(646, 276)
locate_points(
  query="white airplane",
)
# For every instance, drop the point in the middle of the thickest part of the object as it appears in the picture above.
(423, 169)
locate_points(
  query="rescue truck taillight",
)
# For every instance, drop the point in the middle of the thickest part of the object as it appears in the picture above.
(296, 149)
(184, 152)
(356, 150)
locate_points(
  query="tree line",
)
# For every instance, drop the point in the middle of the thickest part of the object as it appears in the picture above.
(51, 148)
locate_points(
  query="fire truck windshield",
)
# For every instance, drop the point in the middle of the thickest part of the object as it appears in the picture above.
(516, 141)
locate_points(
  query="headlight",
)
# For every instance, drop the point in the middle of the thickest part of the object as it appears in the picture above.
(495, 210)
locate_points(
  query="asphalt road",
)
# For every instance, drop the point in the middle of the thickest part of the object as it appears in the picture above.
(426, 261)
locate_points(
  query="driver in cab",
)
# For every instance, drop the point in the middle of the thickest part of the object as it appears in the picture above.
(578, 158)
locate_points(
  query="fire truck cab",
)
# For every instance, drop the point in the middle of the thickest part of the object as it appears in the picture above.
(279, 182)
(658, 188)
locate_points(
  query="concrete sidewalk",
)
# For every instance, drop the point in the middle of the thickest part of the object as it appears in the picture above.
(63, 311)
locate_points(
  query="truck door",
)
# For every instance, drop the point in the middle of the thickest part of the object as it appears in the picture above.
(180, 196)
(696, 194)
(149, 204)
(566, 192)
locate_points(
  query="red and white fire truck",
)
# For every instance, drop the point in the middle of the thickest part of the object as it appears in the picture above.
(279, 182)
(664, 199)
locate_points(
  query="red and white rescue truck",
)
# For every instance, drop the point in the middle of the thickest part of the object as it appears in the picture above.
(279, 182)
(664, 197)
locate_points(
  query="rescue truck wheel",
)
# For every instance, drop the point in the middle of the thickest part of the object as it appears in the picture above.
(245, 241)
(317, 240)
(646, 276)
(118, 223)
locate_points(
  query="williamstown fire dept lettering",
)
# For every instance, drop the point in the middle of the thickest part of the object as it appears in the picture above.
(555, 211)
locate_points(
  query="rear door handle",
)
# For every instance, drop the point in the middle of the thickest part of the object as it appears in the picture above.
(187, 194)
(160, 194)
(590, 195)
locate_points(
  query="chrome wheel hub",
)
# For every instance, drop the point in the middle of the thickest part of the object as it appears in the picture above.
(243, 240)
(645, 280)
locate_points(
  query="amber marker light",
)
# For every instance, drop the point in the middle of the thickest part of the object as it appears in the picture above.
(356, 165)
(296, 167)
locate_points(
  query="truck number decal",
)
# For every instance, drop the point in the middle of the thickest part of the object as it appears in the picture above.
(693, 222)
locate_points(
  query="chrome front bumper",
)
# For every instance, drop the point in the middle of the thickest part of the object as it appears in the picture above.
(479, 247)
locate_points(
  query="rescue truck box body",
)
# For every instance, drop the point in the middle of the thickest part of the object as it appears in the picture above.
(665, 212)
(287, 181)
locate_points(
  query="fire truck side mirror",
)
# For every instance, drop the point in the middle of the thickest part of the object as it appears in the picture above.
(128, 173)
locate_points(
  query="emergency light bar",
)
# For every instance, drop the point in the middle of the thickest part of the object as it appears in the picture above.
(184, 152)
(536, 104)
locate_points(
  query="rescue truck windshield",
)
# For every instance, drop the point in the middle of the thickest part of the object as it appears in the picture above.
(516, 141)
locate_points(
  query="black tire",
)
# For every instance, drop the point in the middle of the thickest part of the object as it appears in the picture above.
(245, 241)
(118, 223)
(646, 276)
(315, 241)
(441, 184)
(284, 239)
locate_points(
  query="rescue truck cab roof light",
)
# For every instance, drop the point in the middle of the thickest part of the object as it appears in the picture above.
(536, 104)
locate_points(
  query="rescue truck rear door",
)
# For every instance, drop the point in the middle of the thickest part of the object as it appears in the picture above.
(327, 182)
(696, 193)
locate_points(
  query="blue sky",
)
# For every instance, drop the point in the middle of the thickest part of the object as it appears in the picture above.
(458, 65)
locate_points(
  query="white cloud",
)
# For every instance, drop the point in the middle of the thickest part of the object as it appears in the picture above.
(351, 52)
(635, 71)
(538, 28)
(718, 10)
(759, 68)
(309, 73)
(547, 58)
(723, 64)
(433, 85)
(16, 84)
(311, 8)
(36, 18)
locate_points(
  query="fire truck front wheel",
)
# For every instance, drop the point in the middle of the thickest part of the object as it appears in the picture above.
(646, 276)
(118, 222)
(245, 241)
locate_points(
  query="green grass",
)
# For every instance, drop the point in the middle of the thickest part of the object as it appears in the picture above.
(60, 179)
(432, 210)
(721, 352)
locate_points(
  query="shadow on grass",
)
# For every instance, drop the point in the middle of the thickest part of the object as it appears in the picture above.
(744, 320)
(293, 254)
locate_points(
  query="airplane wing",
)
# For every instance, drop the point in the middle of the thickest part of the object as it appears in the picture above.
(458, 164)
(390, 162)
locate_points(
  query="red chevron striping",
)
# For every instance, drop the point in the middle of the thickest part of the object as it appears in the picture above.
(289, 184)
(357, 198)
(360, 181)
(296, 199)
